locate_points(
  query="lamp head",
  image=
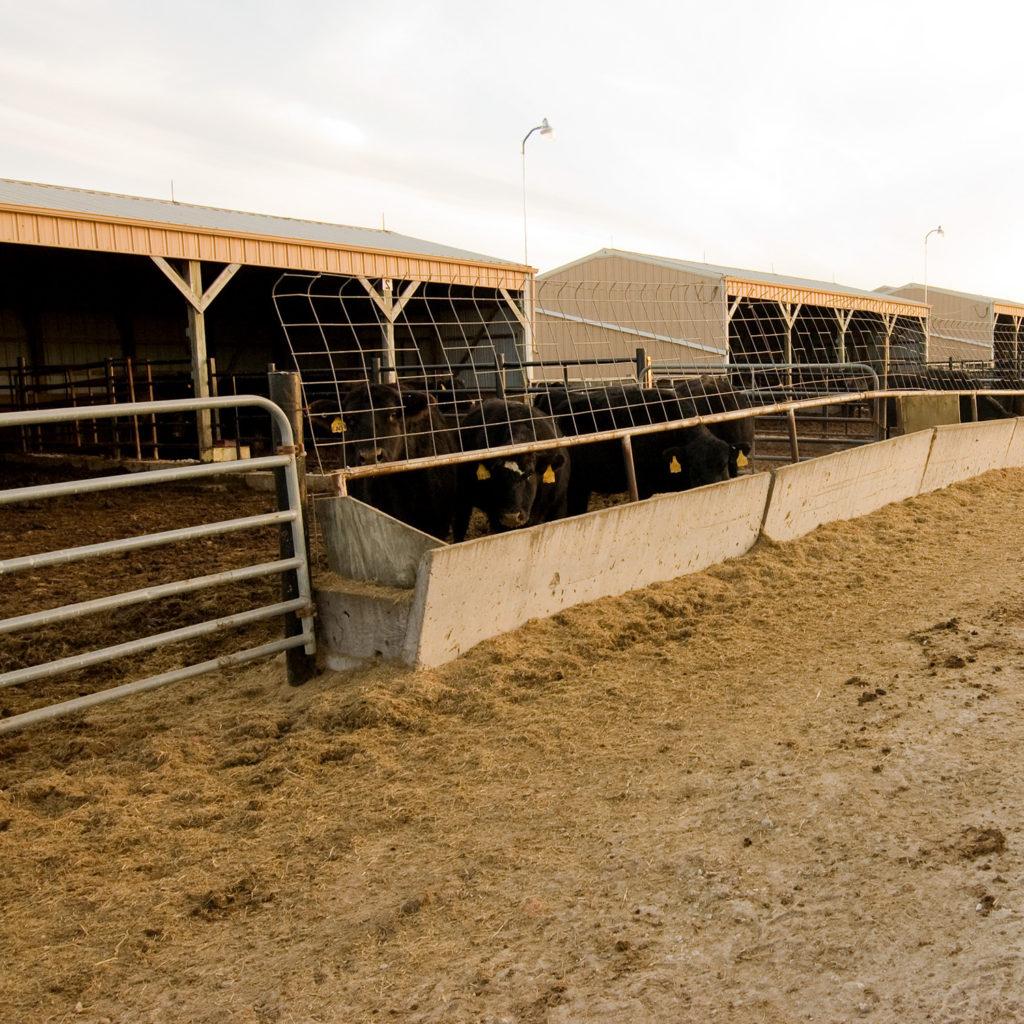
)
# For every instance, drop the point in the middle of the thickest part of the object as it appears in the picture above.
(546, 129)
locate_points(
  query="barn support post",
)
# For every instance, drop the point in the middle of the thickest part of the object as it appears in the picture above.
(384, 300)
(190, 285)
(794, 444)
(286, 392)
(627, 458)
(525, 316)
(197, 343)
(843, 318)
(1017, 339)
(790, 311)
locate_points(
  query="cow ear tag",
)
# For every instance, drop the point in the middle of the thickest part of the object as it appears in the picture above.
(742, 461)
(337, 425)
(482, 472)
(549, 476)
(674, 466)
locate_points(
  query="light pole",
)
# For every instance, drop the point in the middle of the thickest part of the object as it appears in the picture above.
(934, 231)
(545, 129)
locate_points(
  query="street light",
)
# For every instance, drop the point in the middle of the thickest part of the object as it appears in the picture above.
(545, 129)
(934, 231)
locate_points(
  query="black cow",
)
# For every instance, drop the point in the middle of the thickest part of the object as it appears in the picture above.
(516, 490)
(711, 394)
(384, 423)
(673, 460)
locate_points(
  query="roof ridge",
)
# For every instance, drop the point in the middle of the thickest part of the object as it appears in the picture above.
(199, 206)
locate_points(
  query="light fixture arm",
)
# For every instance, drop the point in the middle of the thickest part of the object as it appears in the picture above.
(934, 231)
(545, 129)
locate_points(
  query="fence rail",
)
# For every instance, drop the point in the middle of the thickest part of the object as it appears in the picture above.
(124, 380)
(295, 607)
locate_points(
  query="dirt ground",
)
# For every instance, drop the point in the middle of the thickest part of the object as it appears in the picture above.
(786, 789)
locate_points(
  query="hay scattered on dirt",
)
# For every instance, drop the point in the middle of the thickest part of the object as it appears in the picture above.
(671, 805)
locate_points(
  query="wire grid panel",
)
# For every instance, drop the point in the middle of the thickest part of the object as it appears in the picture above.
(392, 369)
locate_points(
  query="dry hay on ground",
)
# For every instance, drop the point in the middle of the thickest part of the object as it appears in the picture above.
(672, 805)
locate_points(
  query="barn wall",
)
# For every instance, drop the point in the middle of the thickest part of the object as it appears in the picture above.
(961, 326)
(671, 304)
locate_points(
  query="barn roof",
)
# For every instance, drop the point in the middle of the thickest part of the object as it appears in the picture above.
(1007, 306)
(760, 285)
(55, 215)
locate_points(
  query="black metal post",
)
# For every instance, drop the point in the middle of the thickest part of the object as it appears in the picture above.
(286, 392)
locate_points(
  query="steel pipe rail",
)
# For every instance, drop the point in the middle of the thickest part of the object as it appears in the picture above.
(66, 612)
(294, 561)
(147, 643)
(146, 540)
(387, 468)
(153, 476)
(70, 707)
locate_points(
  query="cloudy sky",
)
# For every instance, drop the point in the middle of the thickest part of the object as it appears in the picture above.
(819, 139)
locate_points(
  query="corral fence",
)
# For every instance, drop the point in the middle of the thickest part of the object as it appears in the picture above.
(126, 380)
(295, 606)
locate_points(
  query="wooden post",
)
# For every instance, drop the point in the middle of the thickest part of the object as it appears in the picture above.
(790, 311)
(72, 399)
(285, 391)
(197, 344)
(154, 440)
(21, 399)
(794, 447)
(130, 375)
(627, 458)
(108, 376)
(387, 287)
(215, 413)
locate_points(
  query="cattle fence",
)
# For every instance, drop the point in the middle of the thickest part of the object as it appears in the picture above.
(295, 607)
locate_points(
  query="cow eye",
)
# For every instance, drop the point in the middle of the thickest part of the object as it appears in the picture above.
(392, 417)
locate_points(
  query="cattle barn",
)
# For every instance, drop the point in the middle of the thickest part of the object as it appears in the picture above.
(112, 297)
(611, 303)
(970, 328)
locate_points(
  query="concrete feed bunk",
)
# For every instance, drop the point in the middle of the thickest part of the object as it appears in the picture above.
(401, 595)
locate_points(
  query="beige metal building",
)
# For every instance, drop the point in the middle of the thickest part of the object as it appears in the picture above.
(91, 276)
(608, 304)
(967, 327)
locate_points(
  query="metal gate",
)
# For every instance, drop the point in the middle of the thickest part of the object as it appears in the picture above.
(296, 605)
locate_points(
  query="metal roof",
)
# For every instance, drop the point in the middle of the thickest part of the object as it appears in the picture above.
(719, 273)
(162, 211)
(971, 296)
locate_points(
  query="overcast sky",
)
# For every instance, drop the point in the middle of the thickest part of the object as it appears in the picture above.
(818, 139)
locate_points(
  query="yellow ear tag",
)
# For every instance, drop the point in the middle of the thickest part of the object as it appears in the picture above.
(337, 425)
(742, 461)
(482, 472)
(674, 467)
(549, 476)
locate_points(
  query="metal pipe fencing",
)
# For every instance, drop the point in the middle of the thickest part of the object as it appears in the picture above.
(293, 565)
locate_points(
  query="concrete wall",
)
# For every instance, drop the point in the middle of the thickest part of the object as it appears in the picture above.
(1015, 451)
(491, 585)
(964, 450)
(470, 592)
(845, 485)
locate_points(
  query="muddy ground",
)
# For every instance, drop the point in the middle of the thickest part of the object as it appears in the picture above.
(786, 789)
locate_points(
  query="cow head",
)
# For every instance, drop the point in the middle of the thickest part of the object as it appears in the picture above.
(513, 482)
(703, 459)
(375, 421)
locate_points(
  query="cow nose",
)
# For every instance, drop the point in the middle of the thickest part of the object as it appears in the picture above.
(370, 456)
(513, 519)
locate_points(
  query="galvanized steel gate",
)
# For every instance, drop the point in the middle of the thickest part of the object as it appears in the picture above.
(297, 609)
